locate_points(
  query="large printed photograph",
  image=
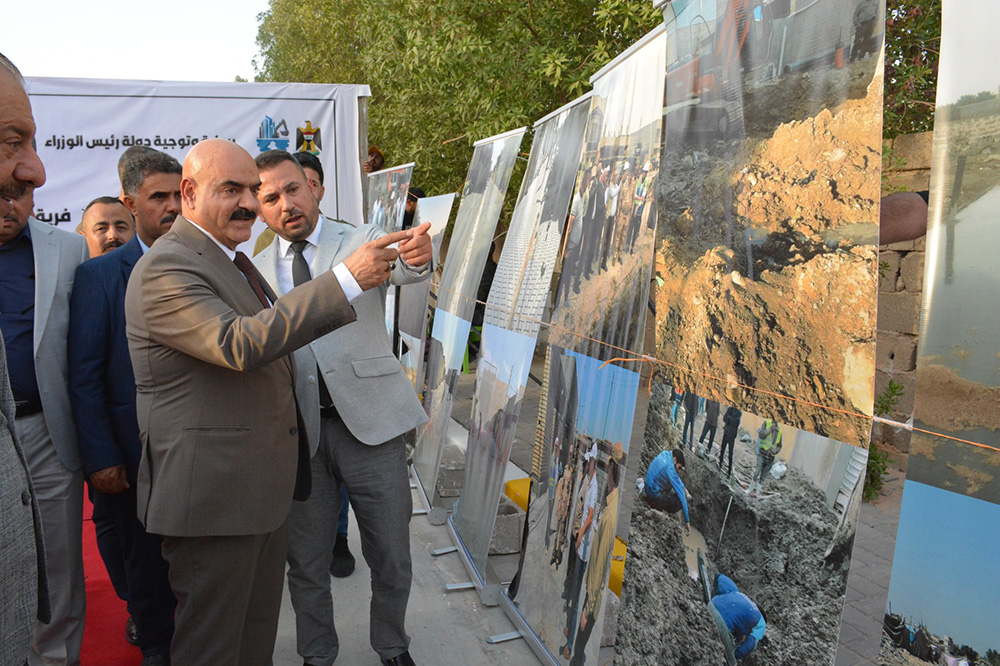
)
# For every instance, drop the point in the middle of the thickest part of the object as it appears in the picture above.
(741, 538)
(958, 359)
(470, 244)
(768, 192)
(573, 515)
(511, 319)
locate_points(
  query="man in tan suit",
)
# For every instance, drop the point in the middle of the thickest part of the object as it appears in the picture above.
(222, 442)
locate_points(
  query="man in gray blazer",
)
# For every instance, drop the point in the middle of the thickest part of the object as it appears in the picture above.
(222, 448)
(356, 403)
(23, 584)
(37, 264)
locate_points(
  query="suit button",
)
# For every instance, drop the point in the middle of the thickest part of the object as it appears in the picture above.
(25, 497)
(293, 431)
(311, 379)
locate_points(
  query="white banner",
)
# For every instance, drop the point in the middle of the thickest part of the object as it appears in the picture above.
(84, 125)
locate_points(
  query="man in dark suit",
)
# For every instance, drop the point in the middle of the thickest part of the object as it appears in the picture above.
(222, 447)
(102, 390)
(356, 403)
(23, 584)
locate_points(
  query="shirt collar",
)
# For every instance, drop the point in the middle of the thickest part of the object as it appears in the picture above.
(285, 246)
(143, 246)
(229, 253)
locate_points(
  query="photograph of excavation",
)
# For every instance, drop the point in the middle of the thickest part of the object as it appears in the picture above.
(785, 544)
(766, 251)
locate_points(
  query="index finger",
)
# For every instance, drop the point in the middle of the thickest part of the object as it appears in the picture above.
(389, 239)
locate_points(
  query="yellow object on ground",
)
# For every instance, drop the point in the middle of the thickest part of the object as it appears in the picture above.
(617, 567)
(517, 491)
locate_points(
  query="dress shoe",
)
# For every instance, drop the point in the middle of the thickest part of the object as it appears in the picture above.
(131, 632)
(342, 564)
(399, 660)
(156, 660)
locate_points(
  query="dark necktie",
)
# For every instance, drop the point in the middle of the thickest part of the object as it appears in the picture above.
(246, 267)
(300, 275)
(300, 267)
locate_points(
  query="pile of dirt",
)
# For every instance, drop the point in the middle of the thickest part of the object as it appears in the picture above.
(784, 551)
(767, 269)
(891, 655)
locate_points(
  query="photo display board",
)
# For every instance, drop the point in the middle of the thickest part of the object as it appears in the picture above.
(943, 595)
(512, 319)
(413, 298)
(471, 242)
(753, 460)
(591, 379)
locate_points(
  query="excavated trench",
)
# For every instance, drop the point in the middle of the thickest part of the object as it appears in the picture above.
(782, 550)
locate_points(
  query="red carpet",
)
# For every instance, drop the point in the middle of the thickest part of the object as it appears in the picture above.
(104, 634)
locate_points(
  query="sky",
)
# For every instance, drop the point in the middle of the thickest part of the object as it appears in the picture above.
(606, 399)
(946, 570)
(115, 39)
(968, 32)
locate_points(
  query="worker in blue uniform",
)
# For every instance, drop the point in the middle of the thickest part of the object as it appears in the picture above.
(745, 621)
(664, 489)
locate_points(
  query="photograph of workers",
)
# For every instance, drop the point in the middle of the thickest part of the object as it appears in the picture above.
(768, 197)
(608, 244)
(942, 606)
(958, 357)
(573, 511)
(470, 243)
(512, 318)
(387, 197)
(413, 298)
(741, 537)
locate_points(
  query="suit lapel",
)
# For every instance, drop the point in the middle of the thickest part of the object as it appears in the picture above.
(46, 254)
(267, 265)
(330, 239)
(130, 254)
(237, 291)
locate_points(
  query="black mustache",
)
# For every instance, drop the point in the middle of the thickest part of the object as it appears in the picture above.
(110, 245)
(12, 189)
(168, 218)
(243, 214)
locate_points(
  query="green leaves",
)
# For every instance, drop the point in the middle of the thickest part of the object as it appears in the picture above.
(452, 68)
(912, 45)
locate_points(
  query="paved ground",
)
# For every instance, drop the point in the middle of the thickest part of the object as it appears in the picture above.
(868, 582)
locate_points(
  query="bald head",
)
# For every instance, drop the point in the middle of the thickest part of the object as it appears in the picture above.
(219, 190)
(20, 167)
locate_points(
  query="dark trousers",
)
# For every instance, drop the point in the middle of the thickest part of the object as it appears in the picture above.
(580, 644)
(666, 501)
(150, 600)
(709, 429)
(108, 543)
(228, 597)
(687, 441)
(728, 441)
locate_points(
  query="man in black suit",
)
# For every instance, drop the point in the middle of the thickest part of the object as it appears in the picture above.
(102, 390)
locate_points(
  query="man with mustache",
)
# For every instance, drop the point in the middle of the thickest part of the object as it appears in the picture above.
(222, 443)
(23, 584)
(107, 224)
(102, 389)
(37, 262)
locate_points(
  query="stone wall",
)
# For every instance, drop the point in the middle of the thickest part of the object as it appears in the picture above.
(900, 292)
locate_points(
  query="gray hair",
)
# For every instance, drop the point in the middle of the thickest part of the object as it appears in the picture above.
(5, 63)
(138, 162)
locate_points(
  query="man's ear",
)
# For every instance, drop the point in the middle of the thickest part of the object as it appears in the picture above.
(188, 187)
(130, 203)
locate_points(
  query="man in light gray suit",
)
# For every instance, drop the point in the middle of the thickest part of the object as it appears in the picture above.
(23, 584)
(356, 403)
(37, 264)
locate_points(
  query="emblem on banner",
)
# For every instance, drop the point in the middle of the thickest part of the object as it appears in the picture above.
(308, 139)
(271, 133)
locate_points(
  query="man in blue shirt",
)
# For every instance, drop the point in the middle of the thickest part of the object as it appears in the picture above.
(664, 489)
(744, 620)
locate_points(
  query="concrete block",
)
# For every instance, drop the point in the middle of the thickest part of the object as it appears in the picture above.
(895, 352)
(610, 629)
(507, 530)
(451, 475)
(901, 246)
(899, 312)
(911, 269)
(888, 270)
(920, 244)
(914, 149)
